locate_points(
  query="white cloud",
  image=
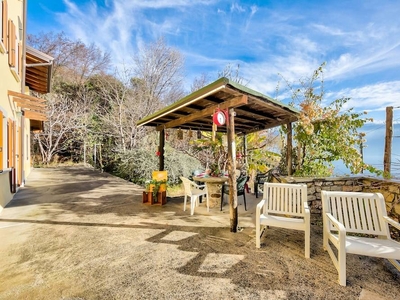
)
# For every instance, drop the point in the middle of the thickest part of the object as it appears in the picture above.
(376, 59)
(374, 97)
(266, 40)
(253, 9)
(237, 7)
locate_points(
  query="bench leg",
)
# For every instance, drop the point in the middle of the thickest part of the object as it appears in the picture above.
(307, 243)
(342, 267)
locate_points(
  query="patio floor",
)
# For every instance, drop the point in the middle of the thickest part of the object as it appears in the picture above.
(75, 233)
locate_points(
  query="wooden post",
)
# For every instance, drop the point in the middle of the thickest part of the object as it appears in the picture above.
(289, 149)
(387, 158)
(214, 132)
(233, 210)
(245, 150)
(161, 150)
(361, 135)
(94, 156)
(84, 152)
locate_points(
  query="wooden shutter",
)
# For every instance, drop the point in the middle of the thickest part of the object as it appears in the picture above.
(19, 166)
(1, 141)
(10, 144)
(20, 59)
(4, 23)
(11, 43)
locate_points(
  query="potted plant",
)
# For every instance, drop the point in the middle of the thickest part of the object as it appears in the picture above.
(153, 186)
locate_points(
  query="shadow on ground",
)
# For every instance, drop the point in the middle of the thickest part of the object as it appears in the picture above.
(74, 233)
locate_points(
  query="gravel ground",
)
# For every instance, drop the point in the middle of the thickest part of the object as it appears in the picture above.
(74, 233)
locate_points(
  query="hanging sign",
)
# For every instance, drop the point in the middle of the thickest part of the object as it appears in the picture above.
(220, 117)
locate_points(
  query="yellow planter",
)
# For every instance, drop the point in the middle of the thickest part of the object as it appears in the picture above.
(159, 176)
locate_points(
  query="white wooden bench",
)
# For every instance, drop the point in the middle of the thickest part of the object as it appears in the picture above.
(362, 214)
(284, 205)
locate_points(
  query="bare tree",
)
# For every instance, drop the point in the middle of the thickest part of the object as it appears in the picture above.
(232, 73)
(74, 62)
(122, 103)
(200, 82)
(64, 116)
(160, 69)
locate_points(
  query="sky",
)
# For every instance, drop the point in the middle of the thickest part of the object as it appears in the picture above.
(269, 40)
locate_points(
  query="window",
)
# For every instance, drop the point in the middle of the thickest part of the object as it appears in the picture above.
(3, 26)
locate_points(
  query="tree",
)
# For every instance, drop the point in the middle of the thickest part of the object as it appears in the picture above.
(64, 117)
(74, 61)
(159, 69)
(232, 73)
(119, 108)
(324, 134)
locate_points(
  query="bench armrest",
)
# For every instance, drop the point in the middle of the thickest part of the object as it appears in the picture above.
(306, 207)
(340, 228)
(260, 208)
(392, 222)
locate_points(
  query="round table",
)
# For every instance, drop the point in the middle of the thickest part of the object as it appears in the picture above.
(214, 185)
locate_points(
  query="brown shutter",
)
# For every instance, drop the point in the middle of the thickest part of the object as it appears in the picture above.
(1, 140)
(19, 59)
(11, 43)
(9, 144)
(4, 20)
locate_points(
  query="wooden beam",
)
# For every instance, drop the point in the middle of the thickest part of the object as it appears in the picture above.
(270, 125)
(32, 108)
(205, 112)
(35, 116)
(289, 153)
(29, 102)
(23, 96)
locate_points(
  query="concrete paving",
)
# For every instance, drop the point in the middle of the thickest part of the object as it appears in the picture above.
(75, 233)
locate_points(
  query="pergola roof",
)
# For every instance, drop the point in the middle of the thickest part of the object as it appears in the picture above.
(254, 111)
(38, 70)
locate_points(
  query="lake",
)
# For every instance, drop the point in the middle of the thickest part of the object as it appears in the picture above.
(374, 149)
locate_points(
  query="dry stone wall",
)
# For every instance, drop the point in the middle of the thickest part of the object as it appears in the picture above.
(390, 189)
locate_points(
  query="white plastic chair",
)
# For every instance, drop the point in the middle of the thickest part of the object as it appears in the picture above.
(194, 191)
(284, 205)
(363, 215)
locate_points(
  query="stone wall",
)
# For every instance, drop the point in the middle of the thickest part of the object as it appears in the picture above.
(390, 189)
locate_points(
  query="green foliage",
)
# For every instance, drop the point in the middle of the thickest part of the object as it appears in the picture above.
(263, 151)
(156, 186)
(211, 153)
(325, 133)
(138, 164)
(178, 164)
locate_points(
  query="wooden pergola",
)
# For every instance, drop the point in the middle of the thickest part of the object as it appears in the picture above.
(247, 111)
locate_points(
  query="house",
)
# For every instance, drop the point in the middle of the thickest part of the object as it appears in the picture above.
(23, 70)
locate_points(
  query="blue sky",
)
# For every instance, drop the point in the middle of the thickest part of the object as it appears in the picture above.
(359, 40)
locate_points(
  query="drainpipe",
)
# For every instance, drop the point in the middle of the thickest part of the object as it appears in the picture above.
(23, 68)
